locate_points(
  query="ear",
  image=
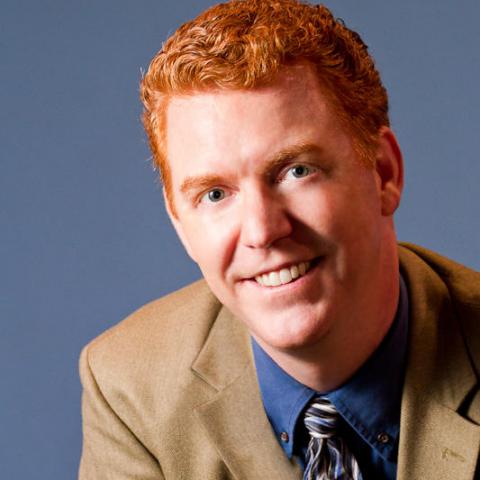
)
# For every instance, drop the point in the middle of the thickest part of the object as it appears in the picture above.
(177, 225)
(389, 169)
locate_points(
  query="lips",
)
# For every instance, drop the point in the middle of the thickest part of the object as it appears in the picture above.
(284, 275)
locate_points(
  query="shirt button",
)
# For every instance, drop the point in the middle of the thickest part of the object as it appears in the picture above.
(383, 437)
(284, 437)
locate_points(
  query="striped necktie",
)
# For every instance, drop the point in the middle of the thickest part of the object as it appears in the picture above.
(328, 457)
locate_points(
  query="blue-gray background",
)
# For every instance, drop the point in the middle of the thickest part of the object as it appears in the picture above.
(84, 238)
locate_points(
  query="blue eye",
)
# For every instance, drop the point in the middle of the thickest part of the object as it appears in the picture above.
(300, 171)
(214, 195)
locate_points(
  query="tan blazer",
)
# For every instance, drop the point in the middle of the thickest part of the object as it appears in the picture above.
(171, 392)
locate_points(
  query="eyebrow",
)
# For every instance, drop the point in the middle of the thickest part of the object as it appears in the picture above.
(200, 182)
(285, 155)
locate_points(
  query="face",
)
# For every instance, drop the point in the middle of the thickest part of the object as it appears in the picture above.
(286, 224)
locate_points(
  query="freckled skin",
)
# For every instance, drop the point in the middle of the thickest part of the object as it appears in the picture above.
(336, 210)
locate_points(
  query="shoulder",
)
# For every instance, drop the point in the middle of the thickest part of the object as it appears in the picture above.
(459, 283)
(463, 283)
(160, 339)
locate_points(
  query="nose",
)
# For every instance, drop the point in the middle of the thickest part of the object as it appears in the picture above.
(264, 219)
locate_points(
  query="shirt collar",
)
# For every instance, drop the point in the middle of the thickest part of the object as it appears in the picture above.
(369, 401)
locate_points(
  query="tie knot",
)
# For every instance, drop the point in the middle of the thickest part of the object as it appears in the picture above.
(321, 418)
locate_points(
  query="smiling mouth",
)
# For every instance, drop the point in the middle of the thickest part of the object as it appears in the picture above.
(283, 276)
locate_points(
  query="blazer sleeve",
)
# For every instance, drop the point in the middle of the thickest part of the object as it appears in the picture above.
(110, 451)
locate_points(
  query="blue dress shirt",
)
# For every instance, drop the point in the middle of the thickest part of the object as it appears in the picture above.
(369, 403)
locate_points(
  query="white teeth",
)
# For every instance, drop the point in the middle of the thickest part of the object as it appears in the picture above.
(294, 272)
(274, 279)
(283, 276)
(302, 268)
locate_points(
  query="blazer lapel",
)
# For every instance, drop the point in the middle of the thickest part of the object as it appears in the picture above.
(234, 419)
(436, 442)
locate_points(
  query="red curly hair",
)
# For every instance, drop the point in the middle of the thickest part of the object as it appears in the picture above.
(243, 44)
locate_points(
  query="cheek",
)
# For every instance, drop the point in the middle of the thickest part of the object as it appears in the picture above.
(212, 244)
(344, 219)
(321, 211)
(357, 230)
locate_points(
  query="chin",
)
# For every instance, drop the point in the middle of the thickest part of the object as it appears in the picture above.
(289, 333)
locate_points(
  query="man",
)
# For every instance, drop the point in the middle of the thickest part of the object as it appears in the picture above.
(315, 346)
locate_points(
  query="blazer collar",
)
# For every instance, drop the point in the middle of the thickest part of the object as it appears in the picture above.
(234, 419)
(435, 441)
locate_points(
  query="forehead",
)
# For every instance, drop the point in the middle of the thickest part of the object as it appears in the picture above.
(219, 126)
